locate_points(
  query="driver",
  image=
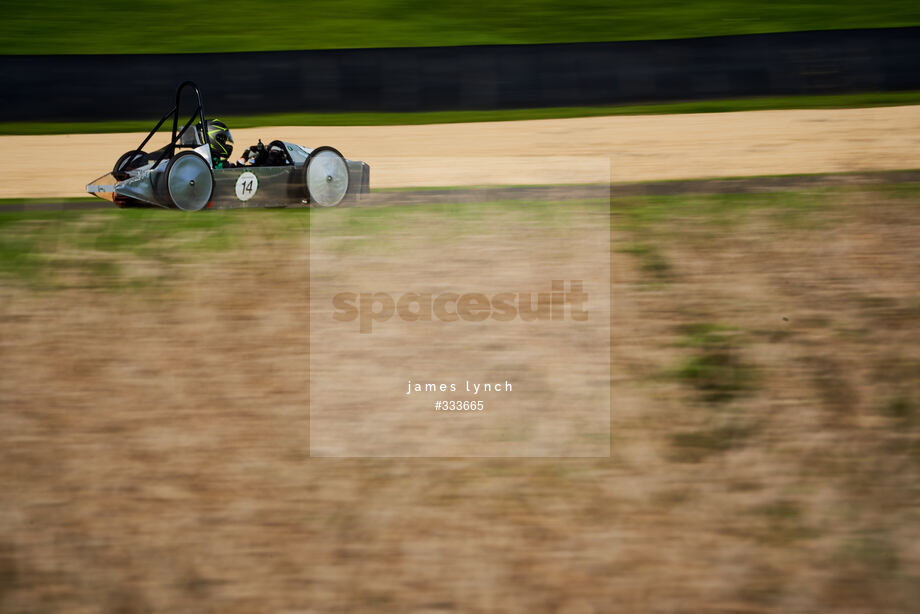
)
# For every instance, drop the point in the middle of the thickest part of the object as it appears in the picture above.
(221, 142)
(222, 147)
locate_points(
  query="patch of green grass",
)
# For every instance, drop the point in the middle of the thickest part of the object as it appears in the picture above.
(901, 407)
(48, 248)
(716, 374)
(152, 232)
(389, 229)
(652, 261)
(704, 335)
(784, 522)
(393, 216)
(873, 552)
(173, 26)
(695, 446)
(866, 573)
(782, 509)
(9, 218)
(25, 239)
(715, 369)
(448, 188)
(639, 213)
(18, 257)
(835, 101)
(907, 191)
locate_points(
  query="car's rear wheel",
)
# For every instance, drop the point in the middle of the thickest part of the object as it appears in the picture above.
(128, 161)
(189, 181)
(325, 177)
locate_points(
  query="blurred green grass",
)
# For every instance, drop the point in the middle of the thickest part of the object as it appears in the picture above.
(173, 26)
(715, 368)
(38, 245)
(721, 211)
(835, 101)
(386, 229)
(108, 249)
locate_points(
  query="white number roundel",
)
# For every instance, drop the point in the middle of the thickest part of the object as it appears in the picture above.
(246, 186)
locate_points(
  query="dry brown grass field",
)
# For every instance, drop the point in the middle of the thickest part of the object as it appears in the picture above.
(154, 424)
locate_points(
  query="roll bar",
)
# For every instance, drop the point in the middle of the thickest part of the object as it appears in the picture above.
(170, 149)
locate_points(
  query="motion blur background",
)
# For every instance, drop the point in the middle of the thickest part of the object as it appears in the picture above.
(765, 370)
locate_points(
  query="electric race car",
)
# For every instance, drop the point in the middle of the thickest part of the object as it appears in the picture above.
(193, 171)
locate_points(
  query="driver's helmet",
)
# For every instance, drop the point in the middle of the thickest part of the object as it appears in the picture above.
(220, 138)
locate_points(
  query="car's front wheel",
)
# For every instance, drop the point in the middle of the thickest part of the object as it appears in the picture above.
(325, 177)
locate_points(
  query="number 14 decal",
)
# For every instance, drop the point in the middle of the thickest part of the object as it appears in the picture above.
(247, 184)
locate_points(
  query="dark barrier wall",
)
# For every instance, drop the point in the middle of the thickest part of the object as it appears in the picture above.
(85, 87)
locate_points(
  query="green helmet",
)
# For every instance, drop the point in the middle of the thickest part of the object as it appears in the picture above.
(220, 138)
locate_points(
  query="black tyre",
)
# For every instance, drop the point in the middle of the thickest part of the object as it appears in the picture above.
(325, 177)
(128, 161)
(189, 182)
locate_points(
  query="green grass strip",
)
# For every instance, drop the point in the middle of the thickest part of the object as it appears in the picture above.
(178, 26)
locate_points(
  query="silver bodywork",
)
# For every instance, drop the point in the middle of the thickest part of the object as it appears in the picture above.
(181, 183)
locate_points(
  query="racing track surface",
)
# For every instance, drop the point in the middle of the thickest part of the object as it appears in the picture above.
(539, 152)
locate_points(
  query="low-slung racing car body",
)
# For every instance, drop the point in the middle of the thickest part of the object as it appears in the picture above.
(182, 175)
